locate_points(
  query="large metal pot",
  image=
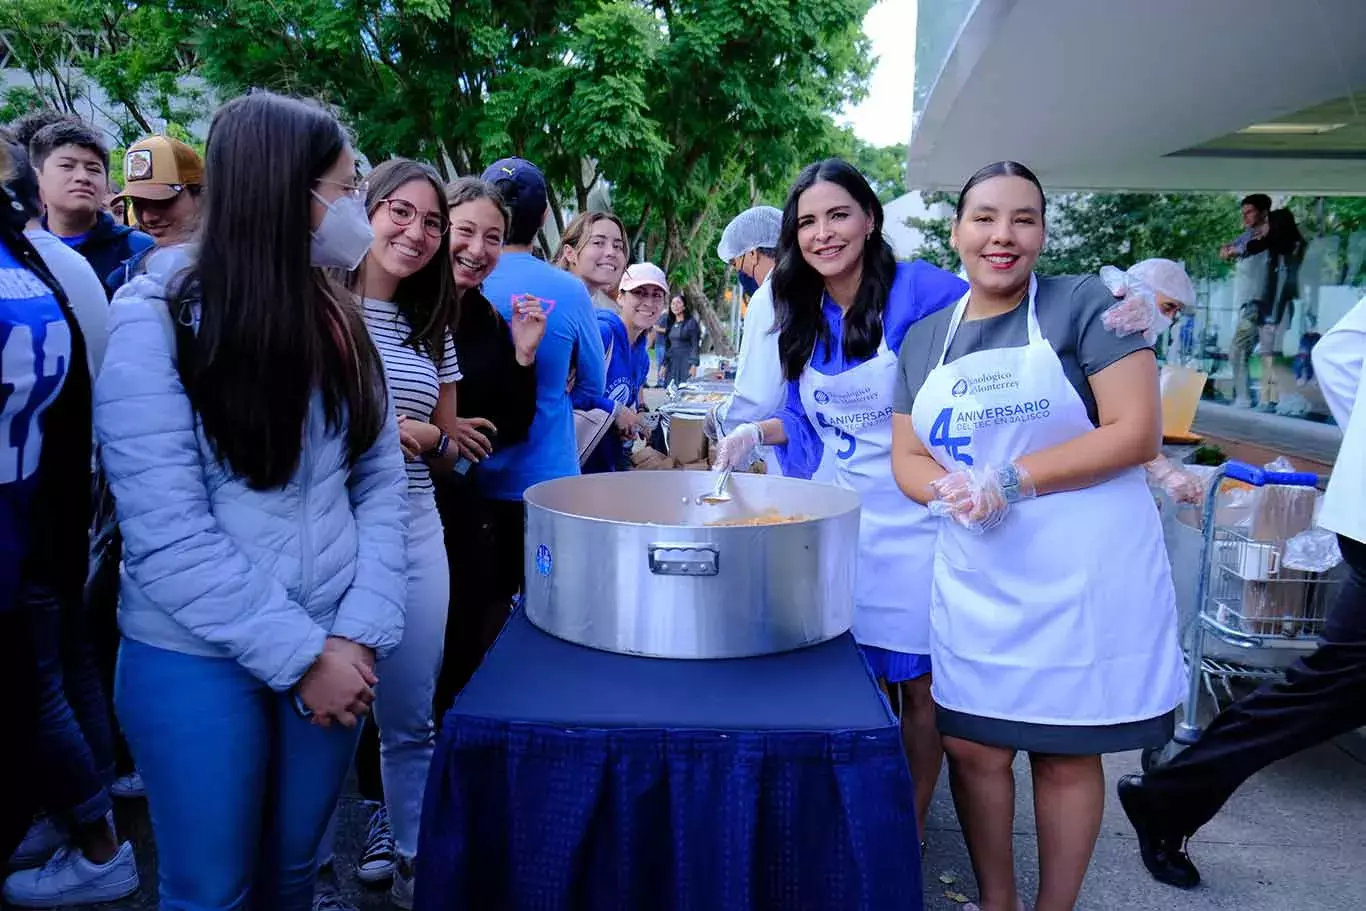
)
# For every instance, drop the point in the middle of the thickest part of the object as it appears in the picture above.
(627, 562)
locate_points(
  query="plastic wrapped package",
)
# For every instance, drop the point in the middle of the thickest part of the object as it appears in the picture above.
(1312, 551)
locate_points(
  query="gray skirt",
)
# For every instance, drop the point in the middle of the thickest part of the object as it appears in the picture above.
(1058, 739)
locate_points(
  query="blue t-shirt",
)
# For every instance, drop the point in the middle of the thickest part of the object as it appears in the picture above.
(551, 450)
(35, 351)
(918, 290)
(627, 369)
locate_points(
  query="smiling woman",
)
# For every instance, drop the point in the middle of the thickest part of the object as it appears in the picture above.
(594, 248)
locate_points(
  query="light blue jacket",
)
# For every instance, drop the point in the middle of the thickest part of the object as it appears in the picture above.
(214, 568)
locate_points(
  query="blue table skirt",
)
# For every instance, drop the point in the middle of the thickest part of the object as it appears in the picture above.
(785, 788)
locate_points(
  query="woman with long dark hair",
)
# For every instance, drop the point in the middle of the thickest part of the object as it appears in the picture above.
(497, 404)
(409, 299)
(682, 342)
(245, 429)
(843, 307)
(1024, 420)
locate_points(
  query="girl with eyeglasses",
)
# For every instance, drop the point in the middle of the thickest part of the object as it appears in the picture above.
(409, 300)
(246, 432)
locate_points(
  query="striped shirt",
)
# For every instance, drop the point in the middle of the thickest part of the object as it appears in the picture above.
(414, 380)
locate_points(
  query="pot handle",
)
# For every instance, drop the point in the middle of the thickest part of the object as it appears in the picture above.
(685, 559)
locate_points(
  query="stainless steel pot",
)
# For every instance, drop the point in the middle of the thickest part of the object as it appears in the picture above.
(627, 562)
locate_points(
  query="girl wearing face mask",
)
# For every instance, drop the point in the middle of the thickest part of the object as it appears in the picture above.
(593, 247)
(625, 338)
(496, 406)
(843, 306)
(245, 431)
(1024, 421)
(410, 306)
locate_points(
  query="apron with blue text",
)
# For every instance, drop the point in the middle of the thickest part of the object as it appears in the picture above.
(853, 414)
(1064, 613)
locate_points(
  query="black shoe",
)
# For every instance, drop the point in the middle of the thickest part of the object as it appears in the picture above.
(1164, 852)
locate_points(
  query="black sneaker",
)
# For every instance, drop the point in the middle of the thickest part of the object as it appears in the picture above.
(1164, 852)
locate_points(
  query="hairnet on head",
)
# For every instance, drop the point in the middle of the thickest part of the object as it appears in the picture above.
(1153, 276)
(752, 229)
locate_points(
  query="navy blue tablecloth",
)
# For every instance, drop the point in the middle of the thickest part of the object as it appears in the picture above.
(569, 779)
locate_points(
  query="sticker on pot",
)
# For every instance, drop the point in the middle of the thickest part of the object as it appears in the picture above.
(544, 562)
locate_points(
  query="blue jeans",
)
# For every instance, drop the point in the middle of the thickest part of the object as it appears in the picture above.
(74, 742)
(239, 787)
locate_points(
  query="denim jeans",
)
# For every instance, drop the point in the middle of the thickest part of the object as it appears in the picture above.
(407, 677)
(73, 744)
(239, 787)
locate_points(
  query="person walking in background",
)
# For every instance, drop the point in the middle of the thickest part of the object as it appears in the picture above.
(1250, 289)
(1323, 694)
(659, 337)
(682, 342)
(550, 450)
(248, 438)
(845, 305)
(73, 166)
(1285, 246)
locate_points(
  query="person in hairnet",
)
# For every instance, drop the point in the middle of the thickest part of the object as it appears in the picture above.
(749, 244)
(1152, 295)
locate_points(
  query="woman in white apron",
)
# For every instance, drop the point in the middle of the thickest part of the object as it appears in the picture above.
(843, 305)
(1025, 422)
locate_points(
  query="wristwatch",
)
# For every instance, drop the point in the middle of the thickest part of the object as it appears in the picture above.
(1009, 477)
(439, 450)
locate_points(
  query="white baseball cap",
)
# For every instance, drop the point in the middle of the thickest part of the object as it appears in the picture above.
(641, 274)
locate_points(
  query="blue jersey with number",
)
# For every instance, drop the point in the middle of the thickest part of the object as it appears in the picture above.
(918, 290)
(35, 351)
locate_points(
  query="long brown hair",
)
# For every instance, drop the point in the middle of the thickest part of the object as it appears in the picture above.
(427, 298)
(578, 231)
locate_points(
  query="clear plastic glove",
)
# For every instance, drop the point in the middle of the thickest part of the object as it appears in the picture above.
(1135, 313)
(738, 448)
(1181, 485)
(979, 498)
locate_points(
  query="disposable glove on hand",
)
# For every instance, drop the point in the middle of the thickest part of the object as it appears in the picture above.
(1181, 485)
(737, 449)
(979, 498)
(1135, 313)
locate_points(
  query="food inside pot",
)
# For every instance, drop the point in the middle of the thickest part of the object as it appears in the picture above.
(767, 517)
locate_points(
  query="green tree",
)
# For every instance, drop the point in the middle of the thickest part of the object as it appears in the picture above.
(884, 166)
(1087, 231)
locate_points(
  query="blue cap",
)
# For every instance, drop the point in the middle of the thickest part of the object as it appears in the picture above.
(522, 186)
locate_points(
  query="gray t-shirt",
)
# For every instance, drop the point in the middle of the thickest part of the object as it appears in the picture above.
(1069, 308)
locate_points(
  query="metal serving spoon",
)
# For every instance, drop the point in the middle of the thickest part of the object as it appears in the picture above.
(718, 495)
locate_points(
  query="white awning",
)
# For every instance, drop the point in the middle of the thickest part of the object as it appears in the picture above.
(1148, 95)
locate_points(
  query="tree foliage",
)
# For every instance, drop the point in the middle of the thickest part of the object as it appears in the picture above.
(1087, 231)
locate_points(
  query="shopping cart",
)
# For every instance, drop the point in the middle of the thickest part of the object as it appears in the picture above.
(1254, 615)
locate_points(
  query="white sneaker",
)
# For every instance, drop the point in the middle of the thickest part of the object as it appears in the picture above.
(42, 841)
(377, 860)
(401, 892)
(69, 879)
(327, 898)
(128, 786)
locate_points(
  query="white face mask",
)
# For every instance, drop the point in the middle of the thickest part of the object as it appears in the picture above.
(1161, 323)
(344, 236)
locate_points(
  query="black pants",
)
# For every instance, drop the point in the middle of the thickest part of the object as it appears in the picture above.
(484, 553)
(1323, 695)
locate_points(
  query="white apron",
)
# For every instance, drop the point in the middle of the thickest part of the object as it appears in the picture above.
(853, 414)
(1064, 613)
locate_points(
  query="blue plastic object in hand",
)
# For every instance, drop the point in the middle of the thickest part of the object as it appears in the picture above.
(1260, 477)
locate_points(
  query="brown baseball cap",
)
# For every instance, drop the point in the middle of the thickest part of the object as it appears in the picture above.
(159, 167)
